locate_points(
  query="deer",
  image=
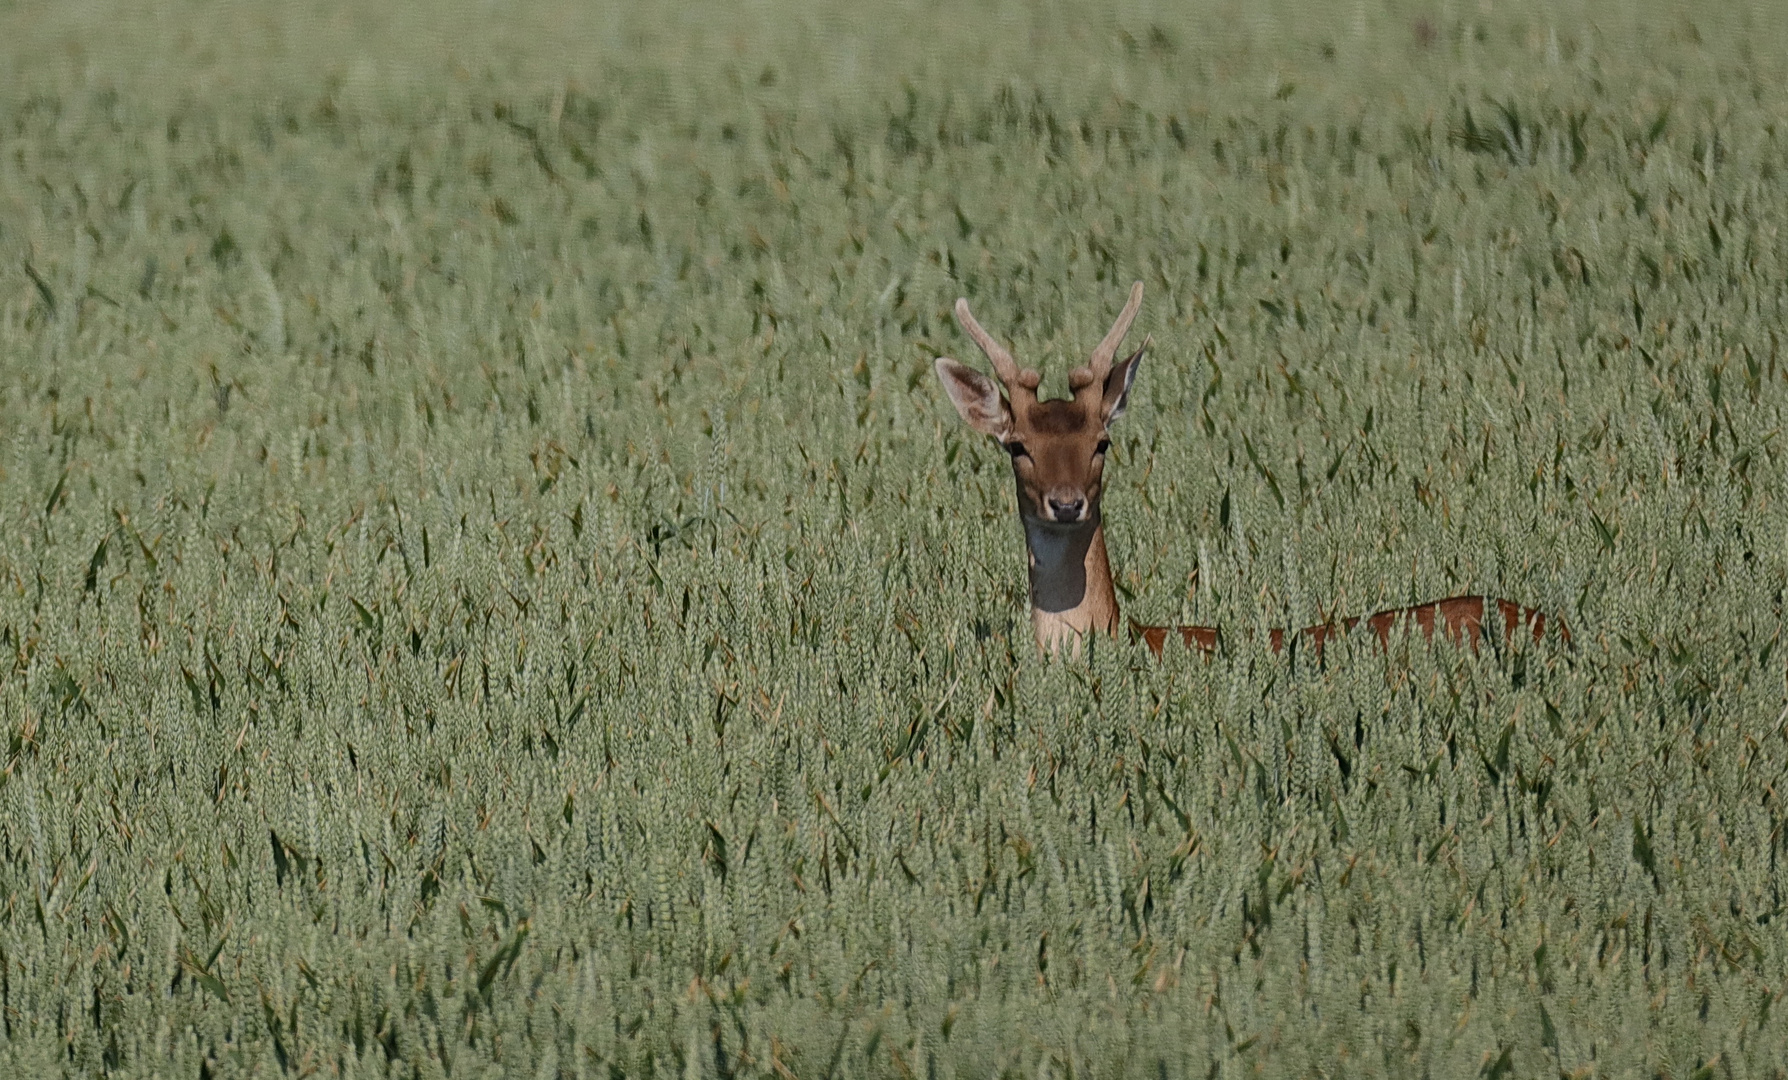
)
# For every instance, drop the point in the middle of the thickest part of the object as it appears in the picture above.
(1058, 449)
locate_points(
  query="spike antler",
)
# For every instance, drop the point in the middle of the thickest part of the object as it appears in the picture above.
(1094, 373)
(1003, 365)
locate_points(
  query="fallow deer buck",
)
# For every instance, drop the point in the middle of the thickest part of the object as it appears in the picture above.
(1058, 451)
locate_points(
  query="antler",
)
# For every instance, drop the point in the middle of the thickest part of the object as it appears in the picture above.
(1100, 364)
(1003, 364)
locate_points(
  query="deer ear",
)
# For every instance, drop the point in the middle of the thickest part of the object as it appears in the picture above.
(1117, 385)
(976, 397)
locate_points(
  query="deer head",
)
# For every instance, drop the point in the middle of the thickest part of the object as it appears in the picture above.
(1058, 446)
(1058, 450)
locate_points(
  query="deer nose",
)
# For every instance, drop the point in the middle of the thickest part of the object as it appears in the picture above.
(1067, 509)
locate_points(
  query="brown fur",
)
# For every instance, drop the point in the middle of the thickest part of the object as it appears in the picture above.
(1057, 418)
(1461, 618)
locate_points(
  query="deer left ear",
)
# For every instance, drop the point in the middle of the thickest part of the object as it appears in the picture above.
(1117, 385)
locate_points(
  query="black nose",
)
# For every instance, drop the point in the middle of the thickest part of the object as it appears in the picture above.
(1066, 510)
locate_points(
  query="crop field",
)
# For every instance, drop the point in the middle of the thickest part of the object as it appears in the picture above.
(490, 584)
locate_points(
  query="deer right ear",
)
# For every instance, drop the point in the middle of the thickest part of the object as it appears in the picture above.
(976, 397)
(1118, 383)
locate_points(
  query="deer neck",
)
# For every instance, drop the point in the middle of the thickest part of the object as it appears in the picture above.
(1071, 589)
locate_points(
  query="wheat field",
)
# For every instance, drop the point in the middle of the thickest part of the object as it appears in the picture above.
(490, 586)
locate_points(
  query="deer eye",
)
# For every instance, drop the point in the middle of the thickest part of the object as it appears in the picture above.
(1017, 450)
(1104, 445)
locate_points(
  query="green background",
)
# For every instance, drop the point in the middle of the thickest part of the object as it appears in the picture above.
(489, 585)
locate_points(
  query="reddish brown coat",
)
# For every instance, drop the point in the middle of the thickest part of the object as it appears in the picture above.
(1462, 618)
